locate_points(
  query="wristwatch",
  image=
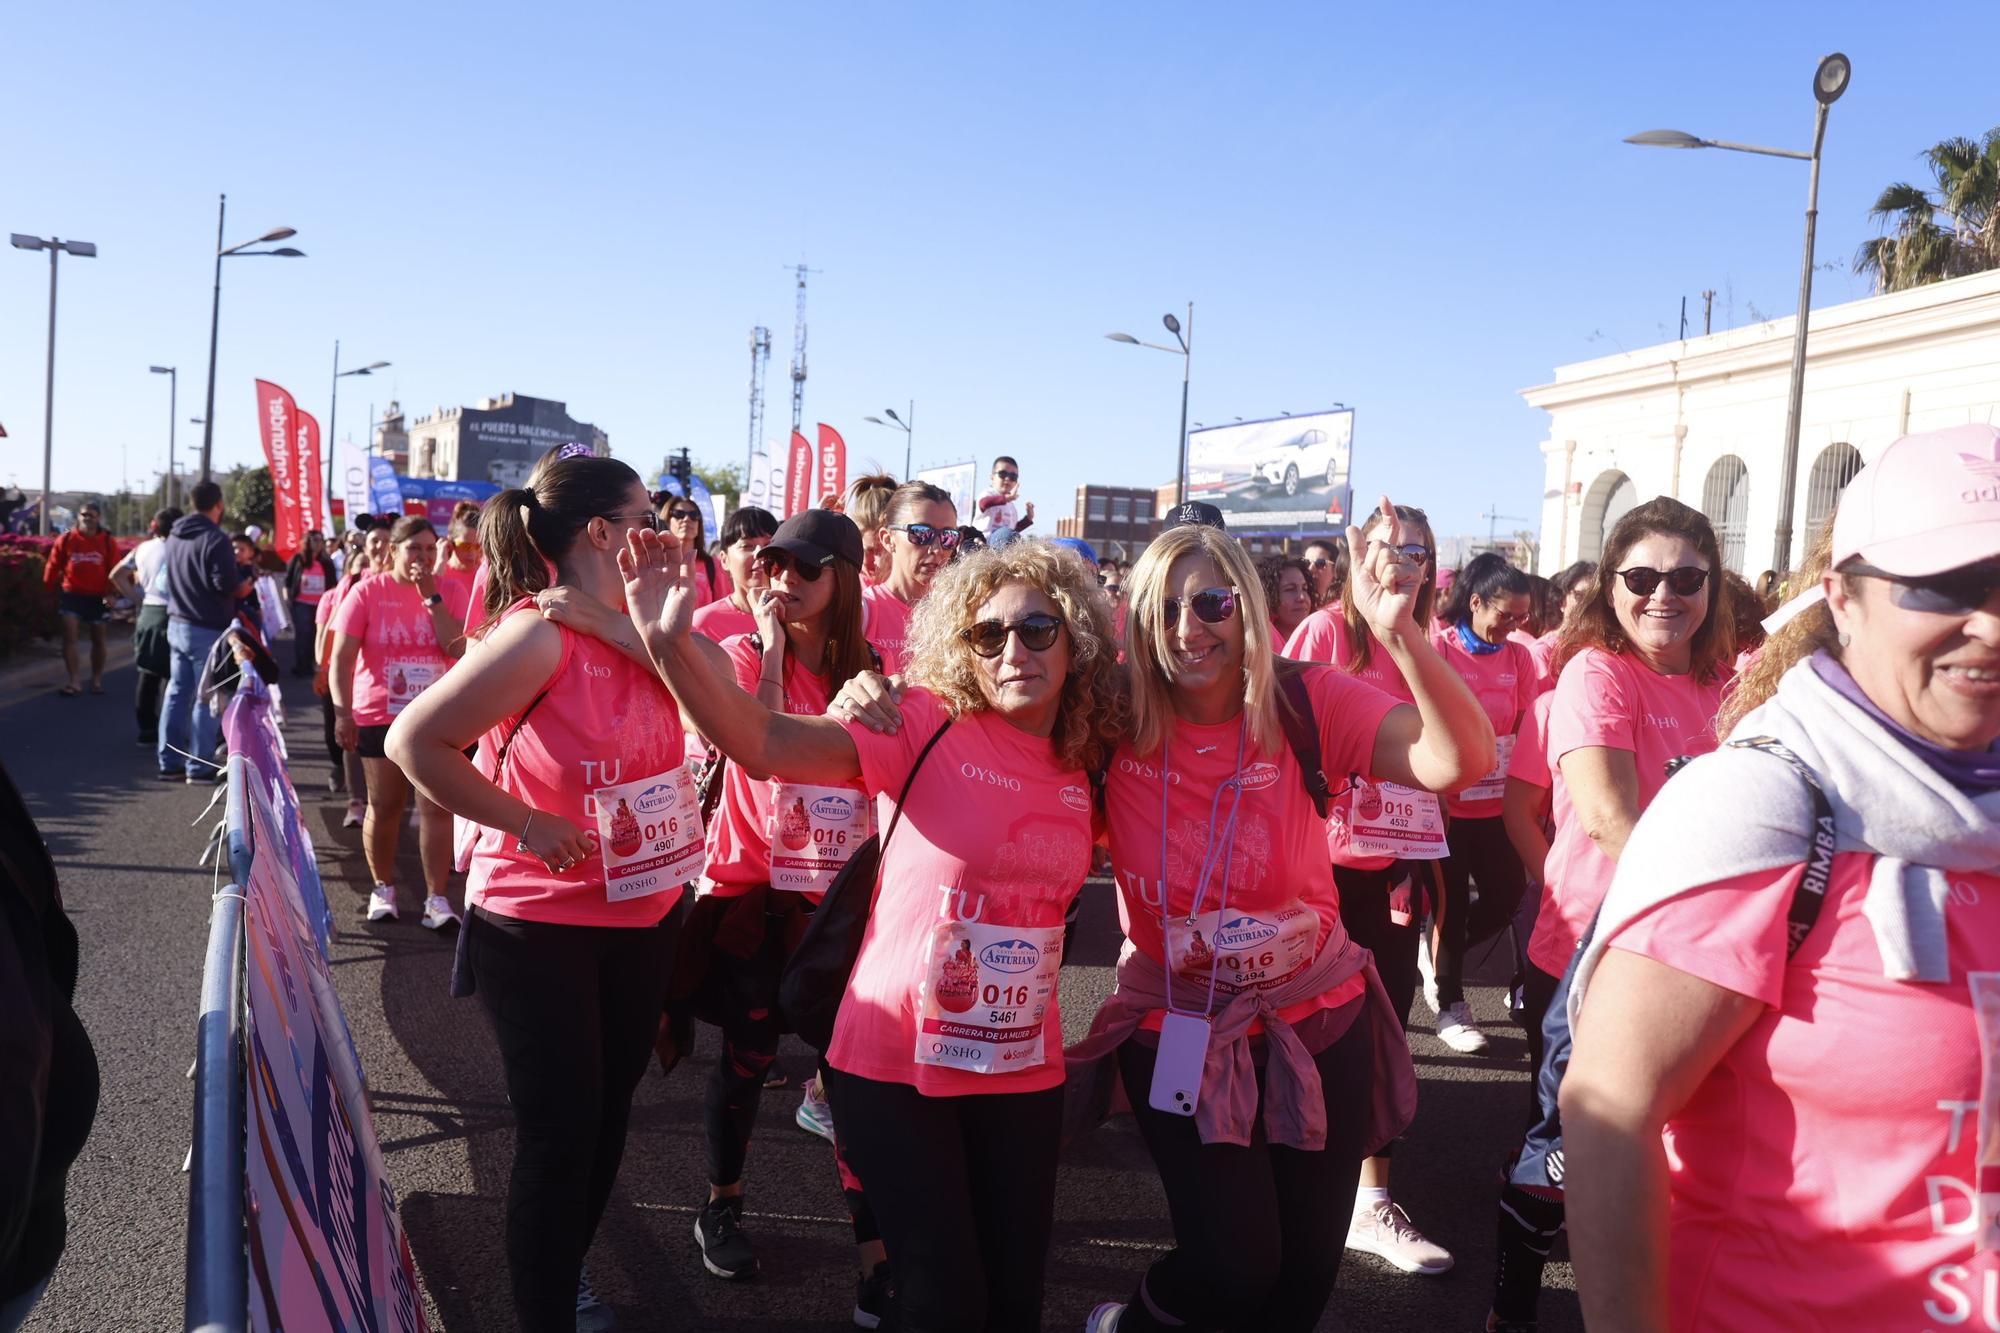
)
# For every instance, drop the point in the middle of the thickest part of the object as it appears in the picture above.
(435, 599)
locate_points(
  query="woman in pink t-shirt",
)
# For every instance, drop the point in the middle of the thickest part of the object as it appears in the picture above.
(1236, 937)
(393, 636)
(867, 503)
(946, 1068)
(458, 553)
(1488, 599)
(588, 828)
(366, 554)
(1642, 662)
(920, 534)
(744, 533)
(683, 519)
(1783, 1107)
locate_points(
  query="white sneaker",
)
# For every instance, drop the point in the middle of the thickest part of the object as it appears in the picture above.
(1104, 1319)
(438, 913)
(1385, 1230)
(1428, 971)
(355, 810)
(382, 903)
(1457, 1030)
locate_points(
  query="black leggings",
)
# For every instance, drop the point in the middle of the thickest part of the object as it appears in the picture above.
(744, 992)
(1480, 850)
(1258, 1230)
(1364, 910)
(965, 1191)
(146, 704)
(574, 1010)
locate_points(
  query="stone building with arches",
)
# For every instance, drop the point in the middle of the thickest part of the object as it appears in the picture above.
(1703, 419)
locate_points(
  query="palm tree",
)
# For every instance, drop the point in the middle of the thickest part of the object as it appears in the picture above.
(1946, 231)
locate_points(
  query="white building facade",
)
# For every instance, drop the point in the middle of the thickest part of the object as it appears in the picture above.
(1703, 419)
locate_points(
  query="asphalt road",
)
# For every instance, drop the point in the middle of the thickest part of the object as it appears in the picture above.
(125, 848)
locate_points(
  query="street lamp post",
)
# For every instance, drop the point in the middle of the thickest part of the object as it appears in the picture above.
(1186, 353)
(215, 311)
(173, 417)
(56, 248)
(333, 410)
(1829, 82)
(905, 424)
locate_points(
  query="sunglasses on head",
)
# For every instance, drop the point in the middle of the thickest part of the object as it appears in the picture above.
(783, 562)
(1956, 592)
(1005, 475)
(1211, 606)
(1683, 582)
(988, 638)
(923, 534)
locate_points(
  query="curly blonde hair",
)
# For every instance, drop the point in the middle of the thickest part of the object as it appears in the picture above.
(1091, 715)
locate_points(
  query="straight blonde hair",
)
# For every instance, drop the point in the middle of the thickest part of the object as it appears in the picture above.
(1150, 659)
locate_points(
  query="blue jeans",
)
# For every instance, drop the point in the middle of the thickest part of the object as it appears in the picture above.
(188, 647)
(15, 1312)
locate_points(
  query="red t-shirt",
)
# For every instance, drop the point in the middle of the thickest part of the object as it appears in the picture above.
(739, 841)
(1616, 701)
(995, 841)
(1276, 867)
(82, 564)
(1825, 1173)
(400, 655)
(886, 621)
(1505, 685)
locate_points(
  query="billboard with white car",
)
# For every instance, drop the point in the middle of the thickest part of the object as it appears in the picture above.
(1283, 475)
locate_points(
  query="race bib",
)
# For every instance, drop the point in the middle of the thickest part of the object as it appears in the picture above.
(649, 834)
(1248, 951)
(406, 679)
(312, 584)
(1494, 785)
(813, 832)
(1392, 820)
(985, 991)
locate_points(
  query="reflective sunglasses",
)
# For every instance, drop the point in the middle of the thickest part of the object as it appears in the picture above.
(1956, 592)
(1683, 582)
(923, 534)
(1414, 551)
(646, 519)
(1319, 562)
(1211, 606)
(678, 514)
(782, 562)
(1008, 476)
(989, 637)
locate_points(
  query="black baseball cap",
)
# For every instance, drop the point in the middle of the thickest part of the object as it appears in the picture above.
(818, 536)
(1197, 512)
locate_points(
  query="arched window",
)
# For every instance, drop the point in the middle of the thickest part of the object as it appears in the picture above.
(1725, 498)
(1831, 471)
(1610, 498)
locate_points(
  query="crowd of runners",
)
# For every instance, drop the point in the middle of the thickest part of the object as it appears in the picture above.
(845, 775)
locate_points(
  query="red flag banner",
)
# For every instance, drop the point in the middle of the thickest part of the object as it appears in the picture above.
(311, 472)
(832, 462)
(278, 422)
(799, 476)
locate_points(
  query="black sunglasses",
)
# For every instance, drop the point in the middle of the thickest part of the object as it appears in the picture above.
(1956, 592)
(989, 637)
(646, 519)
(1683, 582)
(1319, 562)
(923, 534)
(1211, 606)
(778, 562)
(1008, 476)
(683, 513)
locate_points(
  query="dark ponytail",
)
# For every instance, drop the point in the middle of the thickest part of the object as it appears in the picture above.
(1486, 576)
(524, 530)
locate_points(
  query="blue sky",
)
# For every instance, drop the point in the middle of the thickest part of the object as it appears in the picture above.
(1416, 213)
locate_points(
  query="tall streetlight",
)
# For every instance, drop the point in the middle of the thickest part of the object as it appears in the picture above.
(333, 409)
(56, 248)
(907, 425)
(1186, 354)
(1829, 82)
(173, 417)
(215, 310)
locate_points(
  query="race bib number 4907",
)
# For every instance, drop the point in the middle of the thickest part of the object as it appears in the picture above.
(649, 834)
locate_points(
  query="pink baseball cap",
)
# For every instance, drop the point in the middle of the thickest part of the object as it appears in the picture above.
(1930, 503)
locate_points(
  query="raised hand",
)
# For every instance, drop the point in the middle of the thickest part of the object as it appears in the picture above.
(764, 609)
(1383, 582)
(659, 586)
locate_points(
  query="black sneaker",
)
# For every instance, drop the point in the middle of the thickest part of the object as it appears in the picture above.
(592, 1314)
(873, 1295)
(725, 1250)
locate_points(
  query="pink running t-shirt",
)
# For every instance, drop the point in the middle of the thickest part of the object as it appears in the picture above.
(1278, 860)
(1505, 685)
(1323, 637)
(1542, 651)
(886, 621)
(400, 655)
(603, 723)
(1530, 762)
(739, 840)
(1825, 1173)
(995, 829)
(1615, 701)
(723, 620)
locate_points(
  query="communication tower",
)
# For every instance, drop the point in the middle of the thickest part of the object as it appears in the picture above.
(760, 359)
(799, 349)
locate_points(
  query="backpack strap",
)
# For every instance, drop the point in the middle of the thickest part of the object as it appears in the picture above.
(1302, 732)
(1811, 893)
